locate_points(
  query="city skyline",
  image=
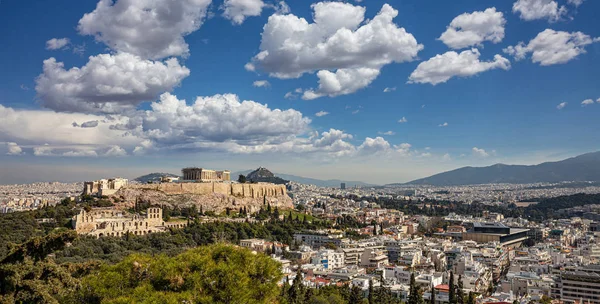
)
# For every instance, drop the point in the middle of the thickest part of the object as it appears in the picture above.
(392, 92)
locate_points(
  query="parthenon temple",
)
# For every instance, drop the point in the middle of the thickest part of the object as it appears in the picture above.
(205, 175)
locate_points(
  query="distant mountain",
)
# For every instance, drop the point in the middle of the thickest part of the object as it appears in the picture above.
(153, 177)
(263, 175)
(309, 181)
(584, 167)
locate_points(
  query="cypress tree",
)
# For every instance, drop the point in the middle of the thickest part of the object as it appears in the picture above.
(471, 298)
(355, 295)
(452, 289)
(414, 296)
(370, 296)
(432, 298)
(460, 295)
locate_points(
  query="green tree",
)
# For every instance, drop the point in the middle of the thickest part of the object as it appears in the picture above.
(414, 296)
(296, 291)
(371, 292)
(460, 294)
(242, 179)
(452, 289)
(471, 298)
(209, 274)
(356, 296)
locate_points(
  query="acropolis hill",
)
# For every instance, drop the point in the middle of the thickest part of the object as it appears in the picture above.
(210, 190)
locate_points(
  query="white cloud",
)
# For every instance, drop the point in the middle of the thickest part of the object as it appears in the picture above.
(346, 50)
(552, 47)
(374, 145)
(480, 152)
(441, 68)
(355, 112)
(446, 157)
(387, 90)
(290, 95)
(261, 83)
(13, 149)
(443, 124)
(80, 153)
(216, 118)
(539, 9)
(576, 3)
(587, 102)
(238, 10)
(342, 82)
(321, 113)
(389, 133)
(561, 105)
(107, 83)
(149, 28)
(403, 149)
(57, 43)
(115, 151)
(35, 127)
(598, 100)
(473, 29)
(403, 120)
(250, 67)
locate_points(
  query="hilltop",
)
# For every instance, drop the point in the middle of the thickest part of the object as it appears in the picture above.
(584, 167)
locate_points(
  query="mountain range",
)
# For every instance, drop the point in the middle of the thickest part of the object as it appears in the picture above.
(584, 167)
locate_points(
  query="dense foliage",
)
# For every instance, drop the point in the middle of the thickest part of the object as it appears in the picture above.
(210, 274)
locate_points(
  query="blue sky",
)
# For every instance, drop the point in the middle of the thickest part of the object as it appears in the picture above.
(111, 101)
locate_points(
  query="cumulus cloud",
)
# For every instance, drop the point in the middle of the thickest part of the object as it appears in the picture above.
(342, 82)
(148, 28)
(13, 149)
(403, 149)
(552, 47)
(238, 10)
(346, 50)
(403, 120)
(480, 152)
(443, 124)
(561, 105)
(215, 118)
(387, 90)
(374, 145)
(539, 9)
(115, 151)
(261, 83)
(473, 29)
(389, 133)
(107, 83)
(587, 102)
(57, 43)
(321, 113)
(441, 68)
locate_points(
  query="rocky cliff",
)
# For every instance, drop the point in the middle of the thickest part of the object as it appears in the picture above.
(215, 197)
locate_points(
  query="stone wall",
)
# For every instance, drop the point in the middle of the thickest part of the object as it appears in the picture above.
(215, 197)
(258, 190)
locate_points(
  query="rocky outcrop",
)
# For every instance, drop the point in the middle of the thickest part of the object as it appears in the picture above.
(215, 197)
